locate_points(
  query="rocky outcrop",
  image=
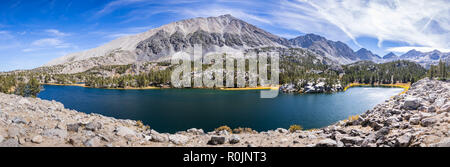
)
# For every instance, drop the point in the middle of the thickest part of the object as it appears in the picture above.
(321, 85)
(418, 118)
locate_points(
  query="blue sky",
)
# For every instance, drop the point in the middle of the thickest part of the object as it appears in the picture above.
(33, 32)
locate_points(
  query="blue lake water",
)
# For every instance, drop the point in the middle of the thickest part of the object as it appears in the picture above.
(172, 110)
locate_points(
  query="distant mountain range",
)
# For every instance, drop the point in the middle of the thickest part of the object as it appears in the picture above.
(219, 34)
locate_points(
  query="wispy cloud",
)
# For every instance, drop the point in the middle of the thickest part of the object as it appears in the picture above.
(417, 23)
(423, 23)
(114, 36)
(8, 40)
(48, 43)
(110, 7)
(5, 35)
(57, 33)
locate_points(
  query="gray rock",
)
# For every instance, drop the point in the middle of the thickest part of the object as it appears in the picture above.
(431, 109)
(302, 136)
(130, 137)
(55, 133)
(395, 111)
(428, 122)
(224, 132)
(439, 102)
(403, 141)
(1, 138)
(93, 142)
(414, 120)
(24, 101)
(215, 140)
(10, 143)
(355, 132)
(349, 141)
(445, 108)
(281, 130)
(411, 103)
(196, 131)
(376, 126)
(369, 140)
(19, 120)
(326, 143)
(22, 140)
(104, 138)
(93, 126)
(37, 139)
(13, 132)
(382, 132)
(443, 143)
(73, 127)
(147, 137)
(124, 131)
(157, 137)
(392, 120)
(178, 139)
(234, 139)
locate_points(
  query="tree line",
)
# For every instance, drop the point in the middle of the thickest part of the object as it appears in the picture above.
(12, 84)
(292, 70)
(439, 71)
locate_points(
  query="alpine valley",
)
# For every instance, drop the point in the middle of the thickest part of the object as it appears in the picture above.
(308, 63)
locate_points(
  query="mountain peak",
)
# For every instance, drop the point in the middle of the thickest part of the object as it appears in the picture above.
(411, 54)
(390, 55)
(223, 32)
(315, 37)
(365, 54)
(226, 16)
(307, 40)
(364, 50)
(336, 51)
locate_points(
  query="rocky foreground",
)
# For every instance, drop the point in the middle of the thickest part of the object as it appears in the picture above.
(418, 118)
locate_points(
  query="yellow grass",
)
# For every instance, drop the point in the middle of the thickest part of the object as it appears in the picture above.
(353, 118)
(54, 84)
(83, 85)
(138, 88)
(405, 86)
(254, 88)
(294, 128)
(227, 128)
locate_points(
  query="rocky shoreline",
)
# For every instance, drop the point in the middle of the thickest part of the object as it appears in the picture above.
(418, 118)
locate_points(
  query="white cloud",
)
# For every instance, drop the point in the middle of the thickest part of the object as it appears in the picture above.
(116, 4)
(423, 23)
(114, 36)
(8, 41)
(48, 43)
(4, 35)
(57, 33)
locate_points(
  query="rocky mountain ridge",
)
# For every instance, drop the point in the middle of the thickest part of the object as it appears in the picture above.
(216, 35)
